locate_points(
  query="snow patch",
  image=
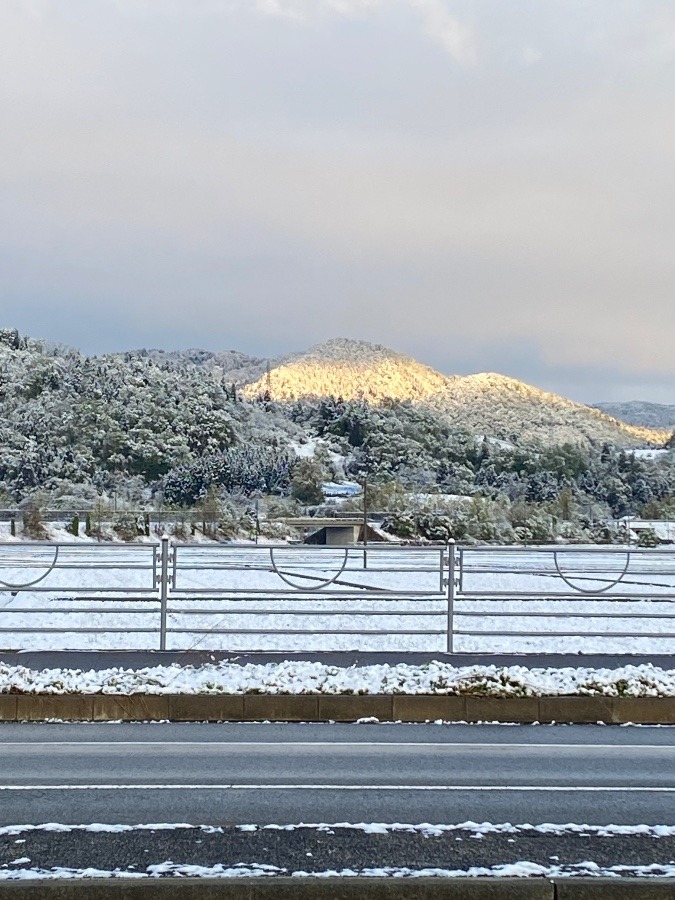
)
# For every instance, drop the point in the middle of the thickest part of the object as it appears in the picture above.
(520, 869)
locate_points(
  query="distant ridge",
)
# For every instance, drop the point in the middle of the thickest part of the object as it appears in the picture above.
(485, 403)
(231, 365)
(509, 409)
(639, 412)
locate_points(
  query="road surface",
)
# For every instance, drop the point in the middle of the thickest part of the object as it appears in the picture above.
(276, 773)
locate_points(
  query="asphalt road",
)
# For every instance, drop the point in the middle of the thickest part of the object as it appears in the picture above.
(237, 773)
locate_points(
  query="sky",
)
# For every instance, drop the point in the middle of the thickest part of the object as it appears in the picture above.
(484, 185)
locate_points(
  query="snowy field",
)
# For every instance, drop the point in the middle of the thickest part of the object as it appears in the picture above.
(240, 596)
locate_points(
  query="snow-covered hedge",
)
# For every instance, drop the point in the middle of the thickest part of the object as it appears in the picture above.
(316, 678)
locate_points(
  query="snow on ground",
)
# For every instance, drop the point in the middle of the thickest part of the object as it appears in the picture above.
(307, 450)
(648, 453)
(521, 869)
(340, 489)
(246, 597)
(662, 528)
(298, 677)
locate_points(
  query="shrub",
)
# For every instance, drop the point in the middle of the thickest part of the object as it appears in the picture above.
(126, 527)
(648, 538)
(33, 526)
(400, 524)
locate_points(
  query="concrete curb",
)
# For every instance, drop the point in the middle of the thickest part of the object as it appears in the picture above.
(335, 707)
(342, 889)
(614, 888)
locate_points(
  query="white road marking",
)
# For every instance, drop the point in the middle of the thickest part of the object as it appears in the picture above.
(277, 745)
(338, 787)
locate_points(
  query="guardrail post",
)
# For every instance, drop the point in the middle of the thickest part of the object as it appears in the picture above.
(163, 581)
(451, 595)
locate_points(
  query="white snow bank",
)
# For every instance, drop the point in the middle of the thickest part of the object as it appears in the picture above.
(291, 677)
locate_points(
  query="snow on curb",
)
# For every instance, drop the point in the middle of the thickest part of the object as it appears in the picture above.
(317, 678)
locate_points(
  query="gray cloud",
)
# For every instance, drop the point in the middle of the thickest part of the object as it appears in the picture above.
(436, 21)
(485, 185)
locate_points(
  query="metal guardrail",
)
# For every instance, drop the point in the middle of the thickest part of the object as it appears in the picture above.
(197, 590)
(613, 582)
(175, 591)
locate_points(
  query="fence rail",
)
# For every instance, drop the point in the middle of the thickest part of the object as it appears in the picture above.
(246, 596)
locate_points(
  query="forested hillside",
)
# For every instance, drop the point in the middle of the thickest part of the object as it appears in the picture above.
(410, 444)
(486, 403)
(175, 428)
(509, 409)
(74, 425)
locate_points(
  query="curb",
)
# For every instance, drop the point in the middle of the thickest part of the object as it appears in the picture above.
(280, 888)
(336, 708)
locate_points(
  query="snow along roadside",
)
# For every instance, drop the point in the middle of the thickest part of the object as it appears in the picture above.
(426, 829)
(521, 869)
(317, 678)
(16, 870)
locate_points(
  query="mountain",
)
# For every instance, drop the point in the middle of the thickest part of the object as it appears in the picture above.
(486, 403)
(509, 409)
(639, 412)
(353, 370)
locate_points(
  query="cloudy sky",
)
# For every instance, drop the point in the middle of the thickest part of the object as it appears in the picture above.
(486, 185)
